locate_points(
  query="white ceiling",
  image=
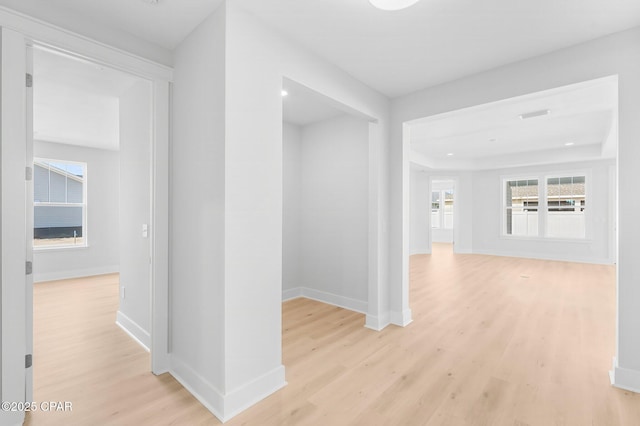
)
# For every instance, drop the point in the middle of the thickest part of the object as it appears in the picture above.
(396, 53)
(436, 41)
(77, 102)
(494, 135)
(165, 24)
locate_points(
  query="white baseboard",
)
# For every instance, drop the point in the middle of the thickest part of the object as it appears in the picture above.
(624, 378)
(227, 406)
(136, 332)
(291, 293)
(377, 323)
(542, 256)
(201, 389)
(329, 298)
(401, 319)
(77, 273)
(419, 251)
(253, 392)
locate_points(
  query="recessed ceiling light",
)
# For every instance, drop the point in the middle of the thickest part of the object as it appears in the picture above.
(392, 4)
(151, 1)
(450, 154)
(569, 144)
(284, 93)
(534, 114)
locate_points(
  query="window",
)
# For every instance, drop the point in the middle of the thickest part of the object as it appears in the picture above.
(59, 190)
(521, 207)
(448, 208)
(435, 209)
(565, 207)
(561, 199)
(442, 209)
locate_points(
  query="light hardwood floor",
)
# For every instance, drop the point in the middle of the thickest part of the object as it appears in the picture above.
(494, 341)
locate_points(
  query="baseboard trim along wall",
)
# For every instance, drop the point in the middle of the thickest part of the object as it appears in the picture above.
(78, 273)
(377, 323)
(559, 258)
(624, 378)
(136, 332)
(227, 406)
(329, 298)
(401, 319)
(253, 392)
(201, 389)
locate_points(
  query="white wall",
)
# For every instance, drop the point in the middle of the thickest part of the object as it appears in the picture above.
(487, 201)
(134, 313)
(617, 54)
(257, 61)
(102, 254)
(332, 184)
(227, 170)
(420, 235)
(197, 279)
(291, 215)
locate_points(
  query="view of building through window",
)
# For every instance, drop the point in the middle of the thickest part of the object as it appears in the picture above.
(563, 206)
(521, 205)
(59, 203)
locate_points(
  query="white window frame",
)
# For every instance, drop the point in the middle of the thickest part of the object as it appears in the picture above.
(84, 205)
(543, 207)
(587, 205)
(503, 212)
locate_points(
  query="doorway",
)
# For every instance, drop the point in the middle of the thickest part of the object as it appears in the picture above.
(443, 211)
(92, 188)
(17, 156)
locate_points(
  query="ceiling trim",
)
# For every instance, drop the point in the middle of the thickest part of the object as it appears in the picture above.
(529, 96)
(65, 41)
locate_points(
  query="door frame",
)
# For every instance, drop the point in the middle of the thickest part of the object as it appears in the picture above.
(18, 32)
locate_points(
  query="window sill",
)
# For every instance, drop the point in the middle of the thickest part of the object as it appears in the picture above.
(59, 248)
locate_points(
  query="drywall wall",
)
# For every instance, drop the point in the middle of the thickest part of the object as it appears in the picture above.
(257, 61)
(420, 235)
(617, 54)
(291, 215)
(332, 212)
(101, 256)
(134, 312)
(197, 291)
(227, 207)
(487, 200)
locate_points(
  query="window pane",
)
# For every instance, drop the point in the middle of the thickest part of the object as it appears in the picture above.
(521, 222)
(56, 225)
(521, 193)
(40, 184)
(566, 201)
(61, 184)
(448, 209)
(57, 186)
(521, 203)
(74, 191)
